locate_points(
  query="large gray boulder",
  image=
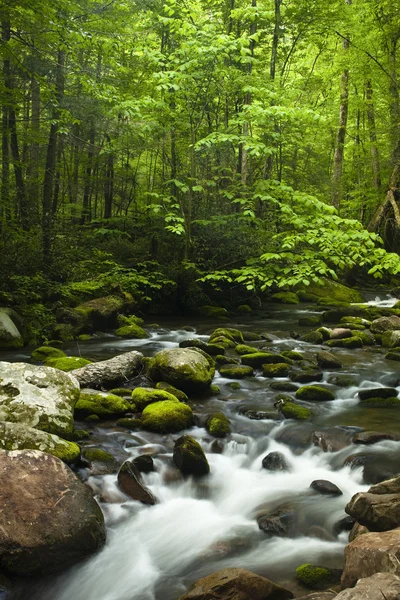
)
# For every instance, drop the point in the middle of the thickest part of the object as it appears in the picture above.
(39, 397)
(381, 586)
(371, 553)
(48, 518)
(385, 324)
(378, 512)
(15, 436)
(109, 373)
(185, 368)
(235, 584)
(10, 337)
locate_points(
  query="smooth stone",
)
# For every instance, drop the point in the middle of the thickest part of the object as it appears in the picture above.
(129, 481)
(327, 488)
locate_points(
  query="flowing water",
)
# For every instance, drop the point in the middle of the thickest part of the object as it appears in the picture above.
(198, 527)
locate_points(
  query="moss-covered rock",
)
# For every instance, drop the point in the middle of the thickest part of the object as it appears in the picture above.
(333, 290)
(283, 386)
(316, 577)
(129, 320)
(223, 342)
(336, 314)
(351, 342)
(285, 298)
(184, 368)
(132, 331)
(314, 393)
(313, 337)
(189, 457)
(167, 417)
(228, 332)
(275, 370)
(292, 355)
(385, 324)
(221, 359)
(306, 375)
(233, 371)
(326, 360)
(142, 397)
(123, 392)
(102, 312)
(10, 336)
(67, 363)
(163, 385)
(257, 359)
(310, 321)
(352, 326)
(14, 436)
(391, 339)
(342, 380)
(101, 404)
(97, 454)
(99, 461)
(128, 423)
(234, 385)
(215, 312)
(215, 390)
(252, 336)
(43, 353)
(244, 349)
(291, 410)
(210, 349)
(367, 337)
(218, 425)
(64, 332)
(391, 402)
(244, 309)
(393, 355)
(355, 321)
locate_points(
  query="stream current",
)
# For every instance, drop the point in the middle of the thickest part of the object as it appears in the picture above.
(201, 526)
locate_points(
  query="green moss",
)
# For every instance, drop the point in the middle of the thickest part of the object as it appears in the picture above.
(353, 326)
(16, 436)
(84, 337)
(64, 332)
(132, 424)
(367, 338)
(314, 393)
(244, 349)
(251, 336)
(223, 342)
(190, 370)
(132, 331)
(236, 371)
(391, 402)
(351, 342)
(45, 352)
(285, 298)
(121, 392)
(218, 425)
(101, 404)
(189, 457)
(276, 370)
(315, 577)
(257, 359)
(142, 397)
(313, 337)
(92, 418)
(167, 416)
(342, 380)
(97, 455)
(336, 314)
(311, 321)
(163, 385)
(78, 435)
(291, 410)
(233, 385)
(244, 309)
(355, 321)
(216, 312)
(131, 320)
(393, 356)
(283, 386)
(292, 355)
(68, 453)
(67, 363)
(328, 302)
(214, 389)
(228, 332)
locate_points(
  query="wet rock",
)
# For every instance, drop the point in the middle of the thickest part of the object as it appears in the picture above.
(217, 447)
(391, 339)
(314, 393)
(378, 512)
(357, 530)
(189, 457)
(275, 461)
(298, 436)
(385, 324)
(283, 386)
(389, 486)
(342, 380)
(381, 586)
(218, 425)
(306, 375)
(98, 461)
(144, 463)
(258, 415)
(319, 596)
(62, 525)
(372, 437)
(38, 397)
(369, 554)
(130, 482)
(233, 371)
(167, 416)
(345, 524)
(101, 404)
(340, 333)
(108, 373)
(212, 349)
(313, 337)
(275, 370)
(235, 584)
(316, 577)
(327, 488)
(326, 360)
(331, 440)
(383, 392)
(281, 523)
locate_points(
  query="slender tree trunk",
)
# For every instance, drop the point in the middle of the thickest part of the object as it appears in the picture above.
(5, 147)
(375, 162)
(34, 153)
(51, 160)
(341, 133)
(247, 102)
(275, 39)
(109, 182)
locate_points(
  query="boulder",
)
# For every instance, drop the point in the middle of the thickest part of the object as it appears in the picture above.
(10, 337)
(102, 312)
(67, 363)
(218, 425)
(340, 333)
(257, 359)
(185, 368)
(232, 371)
(326, 360)
(43, 353)
(314, 393)
(327, 488)
(281, 523)
(212, 349)
(167, 416)
(371, 553)
(372, 437)
(391, 339)
(275, 461)
(306, 375)
(39, 397)
(108, 373)
(16, 436)
(102, 404)
(389, 486)
(378, 512)
(130, 482)
(291, 410)
(189, 457)
(275, 370)
(381, 586)
(163, 385)
(316, 577)
(385, 324)
(98, 461)
(142, 397)
(382, 392)
(235, 584)
(132, 331)
(50, 520)
(144, 463)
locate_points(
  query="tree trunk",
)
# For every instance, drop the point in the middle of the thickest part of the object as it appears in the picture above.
(375, 162)
(109, 182)
(247, 102)
(341, 134)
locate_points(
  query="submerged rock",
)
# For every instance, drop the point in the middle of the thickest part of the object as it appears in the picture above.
(235, 584)
(39, 397)
(61, 526)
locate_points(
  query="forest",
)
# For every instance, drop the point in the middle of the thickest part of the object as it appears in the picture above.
(197, 145)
